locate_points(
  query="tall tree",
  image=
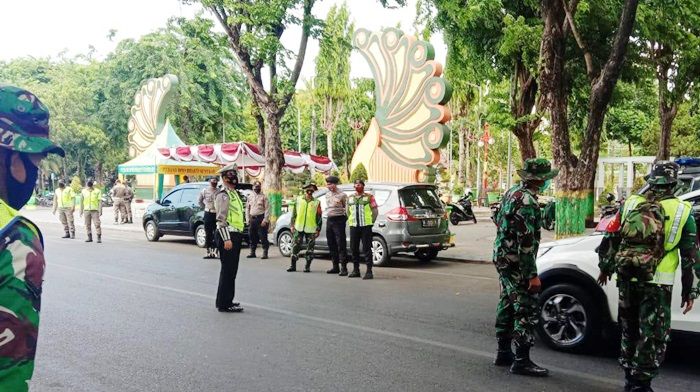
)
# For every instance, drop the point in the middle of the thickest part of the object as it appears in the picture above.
(332, 82)
(602, 68)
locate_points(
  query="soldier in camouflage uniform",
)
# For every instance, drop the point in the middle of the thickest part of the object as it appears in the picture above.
(515, 249)
(24, 142)
(306, 226)
(644, 307)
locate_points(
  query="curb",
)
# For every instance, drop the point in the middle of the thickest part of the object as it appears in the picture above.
(463, 261)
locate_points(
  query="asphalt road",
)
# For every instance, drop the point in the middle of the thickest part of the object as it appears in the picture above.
(129, 315)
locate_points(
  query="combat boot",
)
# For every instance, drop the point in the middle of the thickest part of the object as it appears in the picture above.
(504, 355)
(293, 266)
(343, 270)
(72, 235)
(333, 270)
(99, 238)
(524, 366)
(355, 271)
(67, 235)
(264, 255)
(251, 255)
(368, 274)
(629, 381)
(307, 268)
(641, 386)
(89, 239)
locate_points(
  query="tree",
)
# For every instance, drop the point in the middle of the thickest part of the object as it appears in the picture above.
(360, 173)
(603, 59)
(332, 82)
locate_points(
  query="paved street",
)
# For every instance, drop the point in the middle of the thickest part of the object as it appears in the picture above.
(129, 315)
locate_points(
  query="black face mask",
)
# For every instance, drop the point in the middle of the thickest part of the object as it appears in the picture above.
(19, 193)
(257, 189)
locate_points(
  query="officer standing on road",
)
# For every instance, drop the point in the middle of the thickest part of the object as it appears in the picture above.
(91, 207)
(337, 211)
(206, 202)
(118, 194)
(128, 198)
(24, 142)
(306, 225)
(362, 213)
(514, 252)
(258, 215)
(646, 271)
(64, 202)
(230, 221)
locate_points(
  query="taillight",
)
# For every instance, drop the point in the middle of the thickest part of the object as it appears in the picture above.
(400, 214)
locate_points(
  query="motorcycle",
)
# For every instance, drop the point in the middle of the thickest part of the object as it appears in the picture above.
(462, 210)
(608, 212)
(107, 200)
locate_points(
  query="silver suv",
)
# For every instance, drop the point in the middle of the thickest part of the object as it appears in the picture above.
(412, 219)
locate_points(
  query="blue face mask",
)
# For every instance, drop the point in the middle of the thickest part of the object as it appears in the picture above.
(19, 193)
(545, 186)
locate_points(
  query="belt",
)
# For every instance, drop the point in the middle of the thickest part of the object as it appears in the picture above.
(213, 211)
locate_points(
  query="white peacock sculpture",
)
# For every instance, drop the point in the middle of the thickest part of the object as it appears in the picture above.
(148, 113)
(408, 129)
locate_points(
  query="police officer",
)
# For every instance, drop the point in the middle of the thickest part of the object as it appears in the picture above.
(337, 211)
(306, 225)
(230, 221)
(362, 213)
(206, 202)
(91, 207)
(24, 142)
(118, 193)
(64, 202)
(514, 250)
(128, 198)
(644, 307)
(258, 215)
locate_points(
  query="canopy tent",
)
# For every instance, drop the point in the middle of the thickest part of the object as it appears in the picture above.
(245, 155)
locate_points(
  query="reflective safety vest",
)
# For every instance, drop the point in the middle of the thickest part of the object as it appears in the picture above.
(65, 197)
(7, 213)
(360, 210)
(306, 215)
(235, 218)
(677, 213)
(91, 199)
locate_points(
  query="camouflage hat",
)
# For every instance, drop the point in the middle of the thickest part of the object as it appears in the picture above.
(24, 122)
(663, 173)
(230, 167)
(537, 169)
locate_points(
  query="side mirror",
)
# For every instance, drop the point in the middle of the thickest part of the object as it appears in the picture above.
(165, 203)
(157, 201)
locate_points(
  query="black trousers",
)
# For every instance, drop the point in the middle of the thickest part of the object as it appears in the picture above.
(229, 270)
(337, 244)
(364, 234)
(258, 233)
(209, 227)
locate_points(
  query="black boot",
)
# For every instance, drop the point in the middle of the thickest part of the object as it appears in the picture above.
(89, 239)
(343, 270)
(99, 238)
(524, 366)
(629, 381)
(504, 355)
(355, 271)
(307, 268)
(264, 255)
(368, 274)
(293, 266)
(251, 255)
(67, 235)
(333, 270)
(72, 235)
(641, 386)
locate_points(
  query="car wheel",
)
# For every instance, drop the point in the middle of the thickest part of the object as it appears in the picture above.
(152, 232)
(426, 255)
(200, 236)
(454, 219)
(568, 318)
(284, 243)
(380, 252)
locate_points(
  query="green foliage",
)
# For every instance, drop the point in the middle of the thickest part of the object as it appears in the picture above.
(75, 184)
(360, 173)
(319, 179)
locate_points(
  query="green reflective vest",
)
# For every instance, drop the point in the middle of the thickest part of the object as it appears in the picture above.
(91, 199)
(306, 215)
(360, 211)
(7, 213)
(65, 198)
(677, 213)
(235, 217)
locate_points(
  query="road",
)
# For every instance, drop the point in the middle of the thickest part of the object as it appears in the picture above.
(129, 315)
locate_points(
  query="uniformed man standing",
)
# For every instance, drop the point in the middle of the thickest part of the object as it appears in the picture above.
(230, 221)
(24, 127)
(91, 207)
(118, 194)
(306, 225)
(644, 245)
(515, 249)
(258, 217)
(128, 198)
(362, 213)
(64, 202)
(337, 211)
(206, 202)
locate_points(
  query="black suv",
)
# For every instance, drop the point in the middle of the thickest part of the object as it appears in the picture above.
(178, 213)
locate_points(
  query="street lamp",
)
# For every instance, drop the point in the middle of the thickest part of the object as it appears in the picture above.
(485, 141)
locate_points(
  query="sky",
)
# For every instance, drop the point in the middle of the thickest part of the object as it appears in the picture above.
(46, 28)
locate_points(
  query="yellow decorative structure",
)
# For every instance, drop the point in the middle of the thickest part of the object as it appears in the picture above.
(148, 113)
(408, 129)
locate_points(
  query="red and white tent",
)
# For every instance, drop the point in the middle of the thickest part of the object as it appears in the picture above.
(247, 156)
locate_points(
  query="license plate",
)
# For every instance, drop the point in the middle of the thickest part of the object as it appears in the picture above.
(430, 222)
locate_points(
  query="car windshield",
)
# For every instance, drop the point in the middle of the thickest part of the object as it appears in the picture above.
(420, 198)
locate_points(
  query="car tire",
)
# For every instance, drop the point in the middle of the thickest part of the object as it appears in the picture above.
(285, 243)
(454, 219)
(380, 252)
(152, 232)
(426, 255)
(569, 319)
(200, 236)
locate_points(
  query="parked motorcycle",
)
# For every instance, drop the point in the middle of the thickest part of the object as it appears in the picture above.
(608, 212)
(462, 210)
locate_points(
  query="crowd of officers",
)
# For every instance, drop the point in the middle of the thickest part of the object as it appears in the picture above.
(89, 206)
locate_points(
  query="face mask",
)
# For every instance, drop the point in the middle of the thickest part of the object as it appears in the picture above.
(20, 192)
(257, 189)
(545, 186)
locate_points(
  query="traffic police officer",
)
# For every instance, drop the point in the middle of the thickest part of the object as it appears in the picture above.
(206, 202)
(306, 225)
(337, 211)
(64, 202)
(91, 207)
(230, 221)
(514, 252)
(645, 299)
(362, 212)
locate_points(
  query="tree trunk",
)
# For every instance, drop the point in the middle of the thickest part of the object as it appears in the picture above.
(667, 113)
(274, 162)
(260, 123)
(523, 100)
(329, 143)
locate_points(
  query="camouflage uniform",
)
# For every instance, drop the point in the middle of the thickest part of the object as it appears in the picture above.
(644, 308)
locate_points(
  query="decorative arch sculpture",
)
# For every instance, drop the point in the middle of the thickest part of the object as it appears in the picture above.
(408, 129)
(148, 113)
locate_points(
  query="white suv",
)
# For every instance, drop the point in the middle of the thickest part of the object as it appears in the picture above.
(576, 312)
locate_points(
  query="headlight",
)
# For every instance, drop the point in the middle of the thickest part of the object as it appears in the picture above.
(542, 251)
